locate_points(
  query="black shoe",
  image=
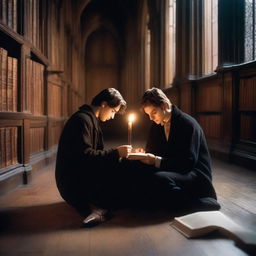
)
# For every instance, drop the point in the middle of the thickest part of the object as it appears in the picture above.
(96, 217)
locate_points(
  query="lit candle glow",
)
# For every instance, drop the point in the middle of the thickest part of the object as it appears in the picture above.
(131, 118)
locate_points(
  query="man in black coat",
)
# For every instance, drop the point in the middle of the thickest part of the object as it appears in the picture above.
(176, 171)
(84, 168)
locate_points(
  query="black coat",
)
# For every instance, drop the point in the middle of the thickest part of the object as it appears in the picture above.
(81, 158)
(185, 151)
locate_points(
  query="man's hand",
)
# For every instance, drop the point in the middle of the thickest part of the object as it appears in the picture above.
(124, 150)
(139, 150)
(149, 159)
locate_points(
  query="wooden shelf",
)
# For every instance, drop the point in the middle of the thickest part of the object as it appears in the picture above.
(39, 55)
(12, 34)
(14, 115)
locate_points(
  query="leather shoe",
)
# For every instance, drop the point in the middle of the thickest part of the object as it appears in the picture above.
(96, 218)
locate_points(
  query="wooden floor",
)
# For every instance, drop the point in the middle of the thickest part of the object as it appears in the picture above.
(34, 220)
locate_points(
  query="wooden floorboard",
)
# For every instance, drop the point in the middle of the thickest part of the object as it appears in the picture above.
(34, 220)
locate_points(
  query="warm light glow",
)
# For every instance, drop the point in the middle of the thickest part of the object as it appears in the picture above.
(131, 118)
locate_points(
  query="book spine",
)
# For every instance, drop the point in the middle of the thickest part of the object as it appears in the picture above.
(34, 86)
(4, 79)
(28, 85)
(2, 148)
(10, 84)
(41, 75)
(15, 84)
(8, 146)
(14, 145)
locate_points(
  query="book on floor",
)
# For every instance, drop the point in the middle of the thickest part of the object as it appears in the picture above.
(201, 223)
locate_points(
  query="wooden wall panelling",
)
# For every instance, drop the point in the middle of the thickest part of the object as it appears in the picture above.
(37, 142)
(54, 96)
(173, 94)
(248, 127)
(209, 103)
(65, 101)
(55, 101)
(102, 63)
(209, 96)
(186, 97)
(244, 143)
(247, 107)
(56, 128)
(247, 94)
(228, 109)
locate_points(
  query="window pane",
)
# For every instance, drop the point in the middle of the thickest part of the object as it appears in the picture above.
(210, 36)
(147, 59)
(171, 42)
(250, 35)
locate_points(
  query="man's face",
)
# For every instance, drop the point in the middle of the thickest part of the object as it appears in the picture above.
(107, 112)
(156, 114)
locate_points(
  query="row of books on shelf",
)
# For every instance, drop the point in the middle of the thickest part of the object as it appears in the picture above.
(8, 146)
(8, 13)
(34, 23)
(35, 87)
(8, 82)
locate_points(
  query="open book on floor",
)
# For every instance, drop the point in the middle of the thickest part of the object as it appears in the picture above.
(201, 223)
(137, 156)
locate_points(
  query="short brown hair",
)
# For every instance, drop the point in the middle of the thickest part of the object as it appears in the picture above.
(113, 98)
(155, 97)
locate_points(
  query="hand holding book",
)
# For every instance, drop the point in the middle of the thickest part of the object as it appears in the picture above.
(146, 158)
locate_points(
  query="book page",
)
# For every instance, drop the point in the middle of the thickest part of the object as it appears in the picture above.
(200, 220)
(200, 223)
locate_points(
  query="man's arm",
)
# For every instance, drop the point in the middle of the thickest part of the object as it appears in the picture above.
(86, 135)
(186, 151)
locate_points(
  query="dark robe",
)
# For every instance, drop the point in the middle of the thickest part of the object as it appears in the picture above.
(82, 163)
(185, 155)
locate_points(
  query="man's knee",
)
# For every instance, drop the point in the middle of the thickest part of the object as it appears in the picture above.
(164, 181)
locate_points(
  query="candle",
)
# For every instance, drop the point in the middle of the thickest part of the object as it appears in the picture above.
(130, 120)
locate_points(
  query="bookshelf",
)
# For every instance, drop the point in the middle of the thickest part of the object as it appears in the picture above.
(31, 96)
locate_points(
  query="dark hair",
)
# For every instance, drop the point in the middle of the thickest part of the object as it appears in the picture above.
(155, 97)
(113, 98)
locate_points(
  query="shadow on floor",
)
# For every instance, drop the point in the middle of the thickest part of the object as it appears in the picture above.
(40, 218)
(60, 216)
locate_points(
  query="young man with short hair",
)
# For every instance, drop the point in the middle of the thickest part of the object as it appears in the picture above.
(176, 169)
(83, 166)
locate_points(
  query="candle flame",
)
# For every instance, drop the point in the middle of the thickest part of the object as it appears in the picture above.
(131, 118)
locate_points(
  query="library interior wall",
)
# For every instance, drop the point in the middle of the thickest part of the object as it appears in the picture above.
(51, 61)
